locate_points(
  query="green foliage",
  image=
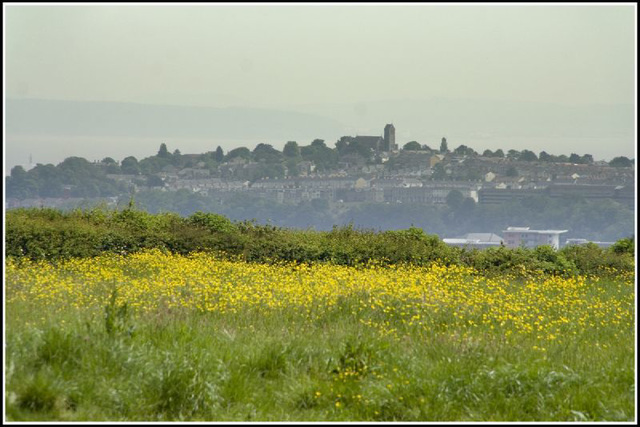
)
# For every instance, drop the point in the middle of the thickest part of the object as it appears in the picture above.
(266, 153)
(322, 156)
(463, 150)
(624, 246)
(443, 146)
(454, 199)
(621, 162)
(219, 154)
(130, 166)
(242, 152)
(502, 260)
(163, 151)
(528, 156)
(51, 234)
(74, 177)
(212, 222)
(291, 150)
(412, 145)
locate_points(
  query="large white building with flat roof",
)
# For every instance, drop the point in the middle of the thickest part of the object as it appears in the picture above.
(523, 237)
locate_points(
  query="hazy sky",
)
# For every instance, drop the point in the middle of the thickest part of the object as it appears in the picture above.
(257, 55)
(331, 60)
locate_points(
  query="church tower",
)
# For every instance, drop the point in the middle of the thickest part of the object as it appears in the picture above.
(390, 138)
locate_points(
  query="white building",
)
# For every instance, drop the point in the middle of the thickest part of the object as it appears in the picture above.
(475, 241)
(517, 237)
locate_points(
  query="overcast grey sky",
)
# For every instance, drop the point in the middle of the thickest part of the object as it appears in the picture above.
(284, 56)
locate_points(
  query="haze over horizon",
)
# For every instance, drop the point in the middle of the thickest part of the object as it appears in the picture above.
(541, 77)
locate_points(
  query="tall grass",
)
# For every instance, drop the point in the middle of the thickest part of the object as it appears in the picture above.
(160, 337)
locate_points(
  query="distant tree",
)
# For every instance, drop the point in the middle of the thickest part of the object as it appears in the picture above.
(154, 181)
(460, 150)
(163, 152)
(468, 205)
(512, 172)
(318, 143)
(242, 152)
(291, 150)
(49, 178)
(439, 173)
(412, 145)
(342, 144)
(466, 210)
(21, 184)
(425, 147)
(75, 170)
(266, 153)
(499, 153)
(111, 166)
(574, 158)
(361, 148)
(513, 155)
(621, 162)
(75, 163)
(587, 159)
(528, 156)
(292, 167)
(463, 150)
(487, 153)
(129, 166)
(455, 199)
(178, 161)
(154, 164)
(545, 157)
(219, 156)
(18, 172)
(443, 146)
(322, 156)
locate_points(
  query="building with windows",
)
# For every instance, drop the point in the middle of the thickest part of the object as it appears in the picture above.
(517, 237)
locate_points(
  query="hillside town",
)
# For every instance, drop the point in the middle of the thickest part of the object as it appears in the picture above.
(360, 169)
(413, 174)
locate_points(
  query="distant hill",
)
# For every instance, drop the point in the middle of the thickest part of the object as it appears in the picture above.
(115, 119)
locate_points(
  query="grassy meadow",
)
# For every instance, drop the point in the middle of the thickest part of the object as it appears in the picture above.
(156, 336)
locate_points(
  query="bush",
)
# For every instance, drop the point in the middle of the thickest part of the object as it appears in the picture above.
(50, 234)
(624, 246)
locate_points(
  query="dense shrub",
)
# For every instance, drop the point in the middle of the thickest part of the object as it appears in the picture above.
(624, 246)
(43, 233)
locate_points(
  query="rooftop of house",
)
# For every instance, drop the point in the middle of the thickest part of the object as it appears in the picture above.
(528, 230)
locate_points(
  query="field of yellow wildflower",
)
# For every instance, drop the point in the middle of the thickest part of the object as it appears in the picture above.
(155, 336)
